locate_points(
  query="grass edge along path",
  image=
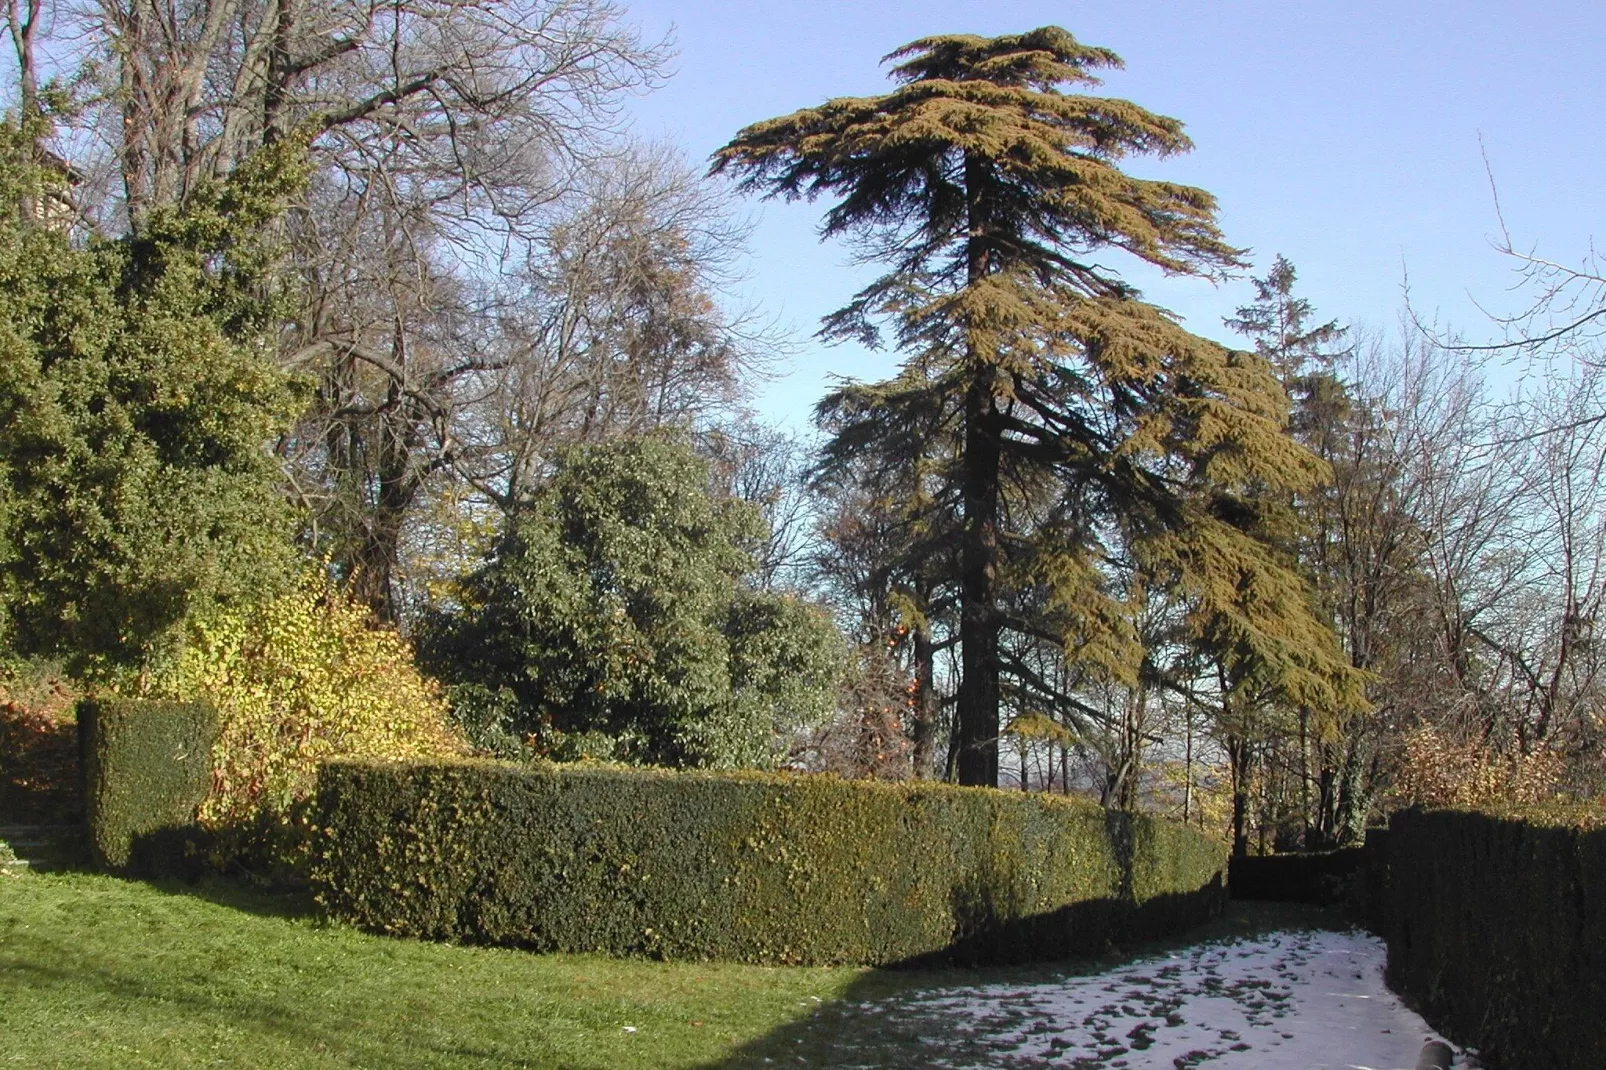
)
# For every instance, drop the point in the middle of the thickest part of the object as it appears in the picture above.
(100, 972)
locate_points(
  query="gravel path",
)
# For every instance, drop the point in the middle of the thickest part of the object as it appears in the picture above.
(1312, 1000)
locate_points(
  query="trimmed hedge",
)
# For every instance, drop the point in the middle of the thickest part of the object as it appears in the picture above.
(1497, 930)
(748, 867)
(147, 766)
(1296, 877)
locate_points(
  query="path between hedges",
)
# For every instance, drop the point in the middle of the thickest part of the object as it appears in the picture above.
(1312, 1000)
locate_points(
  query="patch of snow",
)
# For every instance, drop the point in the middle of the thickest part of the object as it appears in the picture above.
(1313, 1000)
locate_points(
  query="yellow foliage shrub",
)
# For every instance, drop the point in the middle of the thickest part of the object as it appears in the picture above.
(1437, 769)
(297, 680)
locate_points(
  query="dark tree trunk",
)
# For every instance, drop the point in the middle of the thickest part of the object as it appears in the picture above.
(1305, 814)
(977, 711)
(373, 577)
(1324, 832)
(1238, 755)
(381, 523)
(925, 703)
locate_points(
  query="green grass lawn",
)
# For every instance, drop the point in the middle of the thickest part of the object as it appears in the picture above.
(101, 972)
(96, 971)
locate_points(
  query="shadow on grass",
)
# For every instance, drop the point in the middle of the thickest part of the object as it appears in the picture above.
(237, 891)
(181, 860)
(879, 1021)
(232, 892)
(241, 895)
(882, 1020)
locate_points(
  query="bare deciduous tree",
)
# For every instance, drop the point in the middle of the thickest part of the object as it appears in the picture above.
(487, 269)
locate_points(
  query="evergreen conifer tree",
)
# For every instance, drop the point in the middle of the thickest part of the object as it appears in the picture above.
(890, 533)
(1090, 427)
(1353, 538)
(1254, 725)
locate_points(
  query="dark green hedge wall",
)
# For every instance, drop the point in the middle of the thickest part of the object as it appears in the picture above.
(147, 765)
(1497, 929)
(757, 868)
(1322, 877)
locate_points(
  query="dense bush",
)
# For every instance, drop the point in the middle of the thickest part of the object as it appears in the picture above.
(137, 391)
(1497, 929)
(298, 679)
(753, 867)
(617, 605)
(147, 769)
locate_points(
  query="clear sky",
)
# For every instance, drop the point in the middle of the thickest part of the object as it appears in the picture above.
(1343, 135)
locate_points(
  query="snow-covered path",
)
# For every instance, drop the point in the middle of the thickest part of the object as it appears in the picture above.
(1312, 1000)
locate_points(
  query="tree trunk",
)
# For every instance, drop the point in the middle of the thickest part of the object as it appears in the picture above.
(1354, 800)
(1187, 767)
(1324, 833)
(373, 578)
(1305, 815)
(925, 703)
(1238, 754)
(23, 22)
(977, 710)
(976, 714)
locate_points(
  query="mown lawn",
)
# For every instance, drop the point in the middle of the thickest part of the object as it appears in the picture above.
(101, 972)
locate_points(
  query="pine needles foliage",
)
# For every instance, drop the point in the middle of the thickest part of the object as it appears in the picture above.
(1083, 443)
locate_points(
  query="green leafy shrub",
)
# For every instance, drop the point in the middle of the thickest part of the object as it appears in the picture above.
(147, 770)
(617, 603)
(298, 679)
(486, 717)
(1496, 925)
(747, 866)
(137, 391)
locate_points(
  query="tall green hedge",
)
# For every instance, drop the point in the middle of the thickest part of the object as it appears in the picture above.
(147, 765)
(1497, 930)
(757, 868)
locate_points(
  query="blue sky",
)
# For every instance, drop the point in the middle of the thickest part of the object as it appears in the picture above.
(1345, 136)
